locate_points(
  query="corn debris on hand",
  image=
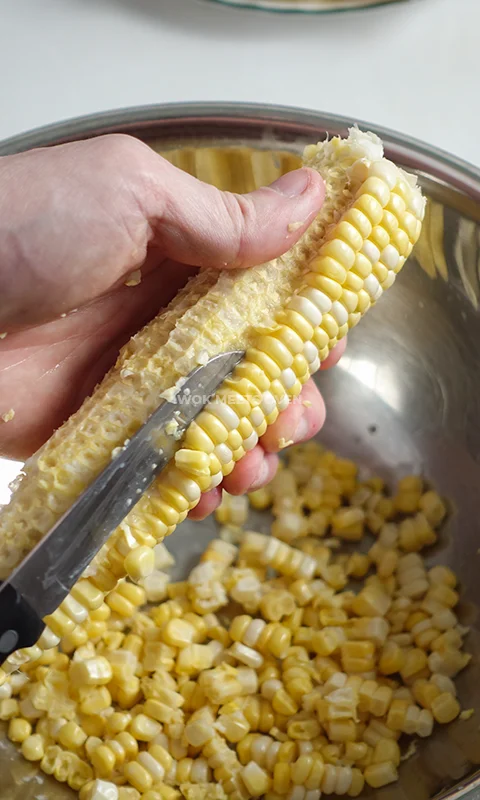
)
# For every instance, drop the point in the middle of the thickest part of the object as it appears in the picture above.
(299, 306)
(306, 691)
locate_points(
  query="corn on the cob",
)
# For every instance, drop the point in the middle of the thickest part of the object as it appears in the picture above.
(299, 306)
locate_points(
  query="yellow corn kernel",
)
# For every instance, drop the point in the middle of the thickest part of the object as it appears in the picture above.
(411, 483)
(221, 684)
(371, 602)
(357, 656)
(128, 743)
(92, 672)
(128, 692)
(165, 712)
(334, 575)
(282, 703)
(76, 638)
(276, 604)
(71, 736)
(103, 761)
(93, 724)
(126, 793)
(445, 708)
(140, 562)
(348, 523)
(387, 563)
(341, 730)
(374, 629)
(101, 790)
(178, 633)
(94, 701)
(378, 775)
(260, 499)
(275, 639)
(255, 779)
(161, 756)
(144, 728)
(448, 662)
(396, 714)
(355, 751)
(357, 784)
(415, 661)
(19, 730)
(281, 778)
(288, 526)
(328, 641)
(332, 617)
(100, 614)
(195, 658)
(303, 730)
(433, 507)
(440, 574)
(425, 692)
(79, 773)
(158, 655)
(246, 655)
(386, 750)
(443, 594)
(138, 776)
(117, 722)
(33, 747)
(407, 502)
(415, 533)
(358, 565)
(8, 708)
(450, 640)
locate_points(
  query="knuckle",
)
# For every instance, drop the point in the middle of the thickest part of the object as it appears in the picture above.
(120, 148)
(241, 218)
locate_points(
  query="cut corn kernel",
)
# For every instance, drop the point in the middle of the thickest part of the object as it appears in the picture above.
(378, 775)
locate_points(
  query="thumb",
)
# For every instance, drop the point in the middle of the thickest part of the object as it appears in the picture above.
(205, 227)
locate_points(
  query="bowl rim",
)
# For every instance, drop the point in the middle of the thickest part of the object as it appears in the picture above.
(414, 153)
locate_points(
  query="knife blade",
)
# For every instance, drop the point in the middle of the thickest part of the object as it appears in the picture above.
(44, 578)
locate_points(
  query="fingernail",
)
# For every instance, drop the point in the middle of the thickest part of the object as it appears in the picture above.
(293, 184)
(301, 431)
(262, 475)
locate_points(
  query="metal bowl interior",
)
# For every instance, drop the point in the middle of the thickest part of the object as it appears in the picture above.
(405, 397)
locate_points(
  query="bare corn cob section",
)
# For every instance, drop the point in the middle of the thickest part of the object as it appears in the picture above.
(286, 314)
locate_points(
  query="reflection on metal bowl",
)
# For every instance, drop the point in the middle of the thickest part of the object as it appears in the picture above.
(404, 398)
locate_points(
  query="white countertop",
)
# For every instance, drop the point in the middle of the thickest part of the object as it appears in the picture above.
(393, 66)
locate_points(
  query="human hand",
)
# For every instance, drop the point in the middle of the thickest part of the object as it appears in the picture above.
(75, 222)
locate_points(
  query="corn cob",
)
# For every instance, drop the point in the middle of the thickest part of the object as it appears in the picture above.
(299, 307)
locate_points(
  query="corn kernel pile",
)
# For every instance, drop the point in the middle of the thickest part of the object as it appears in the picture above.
(261, 674)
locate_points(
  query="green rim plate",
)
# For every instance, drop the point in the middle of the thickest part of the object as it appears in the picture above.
(305, 6)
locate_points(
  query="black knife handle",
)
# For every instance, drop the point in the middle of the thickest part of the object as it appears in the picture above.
(20, 626)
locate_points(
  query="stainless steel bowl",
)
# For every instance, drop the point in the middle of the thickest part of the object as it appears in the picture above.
(404, 398)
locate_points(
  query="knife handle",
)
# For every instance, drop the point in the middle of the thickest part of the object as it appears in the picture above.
(20, 626)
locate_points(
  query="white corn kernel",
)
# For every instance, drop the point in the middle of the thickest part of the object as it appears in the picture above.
(371, 251)
(306, 309)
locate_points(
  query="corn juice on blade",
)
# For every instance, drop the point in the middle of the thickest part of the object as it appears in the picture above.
(286, 314)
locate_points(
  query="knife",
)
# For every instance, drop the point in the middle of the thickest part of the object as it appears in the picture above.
(44, 578)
